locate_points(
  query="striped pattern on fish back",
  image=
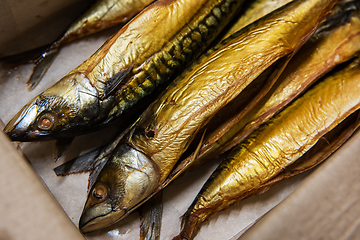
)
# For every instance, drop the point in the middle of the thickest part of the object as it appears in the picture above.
(182, 49)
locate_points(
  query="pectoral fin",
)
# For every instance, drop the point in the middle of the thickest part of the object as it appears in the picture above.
(84, 163)
(150, 217)
(61, 146)
(112, 83)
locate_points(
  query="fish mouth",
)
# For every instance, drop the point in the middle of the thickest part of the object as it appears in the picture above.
(88, 223)
(28, 137)
(18, 128)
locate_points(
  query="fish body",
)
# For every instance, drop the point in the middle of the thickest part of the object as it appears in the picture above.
(101, 15)
(252, 11)
(148, 51)
(249, 13)
(335, 42)
(153, 145)
(276, 145)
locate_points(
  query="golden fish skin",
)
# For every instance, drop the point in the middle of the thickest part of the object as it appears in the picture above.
(327, 145)
(102, 15)
(276, 145)
(166, 128)
(251, 12)
(335, 42)
(127, 68)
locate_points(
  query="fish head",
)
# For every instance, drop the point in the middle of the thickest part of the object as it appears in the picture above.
(59, 111)
(127, 178)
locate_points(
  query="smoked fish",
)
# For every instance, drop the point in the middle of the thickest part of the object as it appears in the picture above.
(276, 145)
(101, 15)
(149, 151)
(252, 11)
(335, 42)
(151, 49)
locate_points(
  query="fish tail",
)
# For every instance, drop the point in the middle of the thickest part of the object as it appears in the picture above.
(191, 222)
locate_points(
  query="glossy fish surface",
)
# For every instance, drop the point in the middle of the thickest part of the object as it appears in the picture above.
(252, 11)
(276, 145)
(127, 68)
(101, 15)
(335, 42)
(148, 153)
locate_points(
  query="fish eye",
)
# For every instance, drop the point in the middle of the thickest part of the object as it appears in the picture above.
(46, 121)
(100, 192)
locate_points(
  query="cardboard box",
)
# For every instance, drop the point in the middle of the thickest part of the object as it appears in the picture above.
(28, 210)
(324, 206)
